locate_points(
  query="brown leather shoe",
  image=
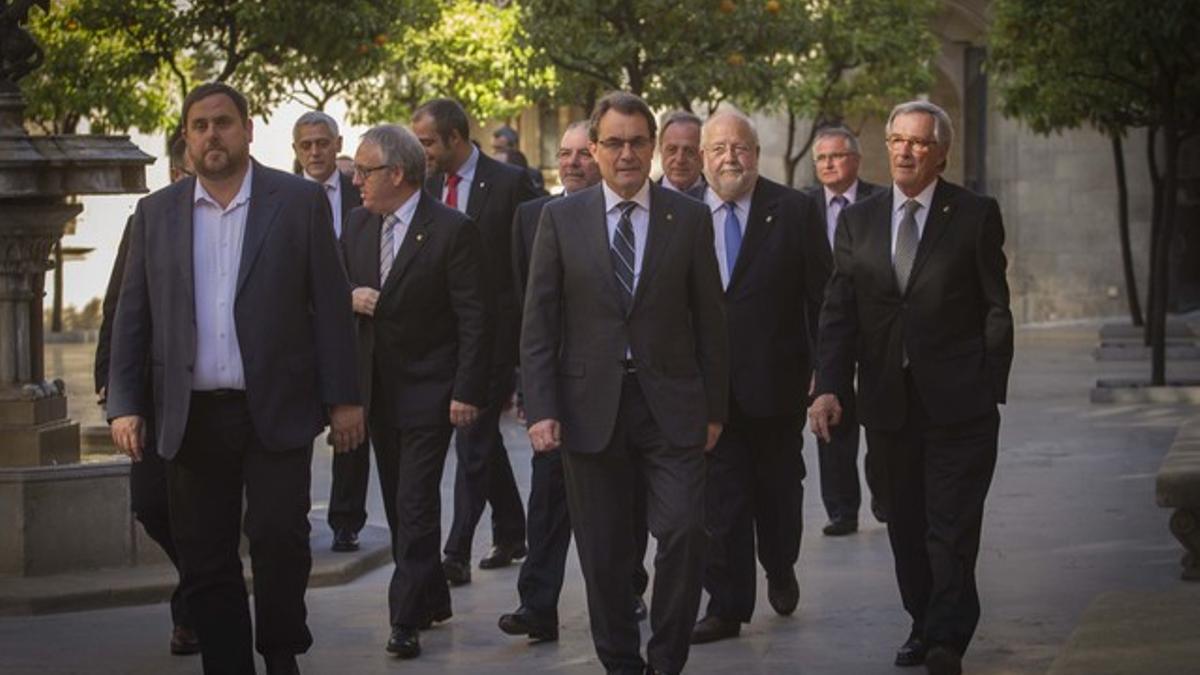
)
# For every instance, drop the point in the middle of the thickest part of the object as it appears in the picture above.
(184, 641)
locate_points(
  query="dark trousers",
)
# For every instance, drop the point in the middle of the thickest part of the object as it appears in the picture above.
(939, 478)
(549, 533)
(601, 489)
(840, 491)
(148, 501)
(348, 491)
(221, 462)
(484, 476)
(410, 463)
(755, 486)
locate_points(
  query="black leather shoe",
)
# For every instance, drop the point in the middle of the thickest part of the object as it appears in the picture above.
(526, 622)
(458, 572)
(438, 615)
(840, 527)
(184, 641)
(344, 541)
(912, 652)
(783, 592)
(712, 628)
(878, 510)
(404, 642)
(639, 609)
(281, 664)
(502, 555)
(943, 661)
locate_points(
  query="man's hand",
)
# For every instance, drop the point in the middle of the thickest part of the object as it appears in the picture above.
(824, 414)
(714, 433)
(346, 428)
(363, 300)
(463, 414)
(545, 435)
(129, 433)
(102, 396)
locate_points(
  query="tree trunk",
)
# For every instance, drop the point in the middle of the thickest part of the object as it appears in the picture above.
(1158, 329)
(790, 162)
(1131, 293)
(1156, 200)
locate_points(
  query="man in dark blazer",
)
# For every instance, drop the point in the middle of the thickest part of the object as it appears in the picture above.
(424, 330)
(625, 365)
(148, 478)
(766, 247)
(316, 142)
(919, 303)
(835, 163)
(488, 191)
(234, 289)
(549, 524)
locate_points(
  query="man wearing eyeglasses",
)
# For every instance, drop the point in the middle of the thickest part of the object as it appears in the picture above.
(767, 250)
(679, 151)
(835, 163)
(919, 303)
(424, 343)
(624, 362)
(316, 142)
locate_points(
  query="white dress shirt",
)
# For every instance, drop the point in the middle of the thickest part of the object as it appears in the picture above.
(640, 218)
(333, 190)
(467, 173)
(666, 182)
(404, 217)
(720, 216)
(898, 199)
(217, 235)
(833, 210)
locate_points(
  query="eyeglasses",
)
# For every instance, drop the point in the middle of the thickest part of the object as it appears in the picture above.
(736, 148)
(637, 144)
(835, 156)
(362, 172)
(896, 143)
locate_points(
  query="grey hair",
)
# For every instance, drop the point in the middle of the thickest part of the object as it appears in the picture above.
(943, 130)
(316, 117)
(578, 124)
(735, 114)
(836, 131)
(677, 117)
(401, 148)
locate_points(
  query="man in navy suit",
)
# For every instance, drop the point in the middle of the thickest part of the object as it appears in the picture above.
(234, 289)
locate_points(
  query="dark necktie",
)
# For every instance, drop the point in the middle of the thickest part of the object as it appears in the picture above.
(907, 239)
(836, 205)
(624, 254)
(452, 182)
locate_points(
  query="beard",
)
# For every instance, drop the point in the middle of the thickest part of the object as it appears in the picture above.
(217, 162)
(733, 182)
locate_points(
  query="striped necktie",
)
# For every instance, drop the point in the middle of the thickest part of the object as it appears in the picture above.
(624, 254)
(387, 247)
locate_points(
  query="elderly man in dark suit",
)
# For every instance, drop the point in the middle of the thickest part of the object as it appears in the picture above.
(767, 247)
(316, 142)
(679, 152)
(424, 327)
(919, 303)
(234, 288)
(624, 362)
(488, 191)
(835, 162)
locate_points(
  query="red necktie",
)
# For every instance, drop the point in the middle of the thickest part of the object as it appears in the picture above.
(452, 182)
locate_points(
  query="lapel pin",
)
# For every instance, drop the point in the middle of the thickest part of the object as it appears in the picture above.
(420, 237)
(946, 209)
(769, 218)
(669, 216)
(481, 183)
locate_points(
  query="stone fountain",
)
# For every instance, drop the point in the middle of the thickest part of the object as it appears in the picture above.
(56, 514)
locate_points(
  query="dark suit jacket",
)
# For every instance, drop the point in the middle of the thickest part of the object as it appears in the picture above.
(773, 301)
(525, 224)
(291, 312)
(816, 197)
(953, 319)
(351, 197)
(108, 310)
(574, 333)
(429, 339)
(495, 194)
(696, 192)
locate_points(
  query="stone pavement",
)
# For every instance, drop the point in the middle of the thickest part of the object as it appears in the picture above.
(1071, 515)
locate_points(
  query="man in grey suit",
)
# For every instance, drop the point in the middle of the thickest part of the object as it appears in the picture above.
(234, 289)
(624, 359)
(835, 162)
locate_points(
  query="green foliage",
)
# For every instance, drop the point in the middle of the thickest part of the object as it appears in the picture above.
(98, 75)
(472, 52)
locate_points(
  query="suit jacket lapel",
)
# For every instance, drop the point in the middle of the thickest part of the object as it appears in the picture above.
(480, 188)
(414, 241)
(935, 226)
(368, 249)
(882, 243)
(658, 234)
(181, 211)
(264, 204)
(595, 227)
(762, 217)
